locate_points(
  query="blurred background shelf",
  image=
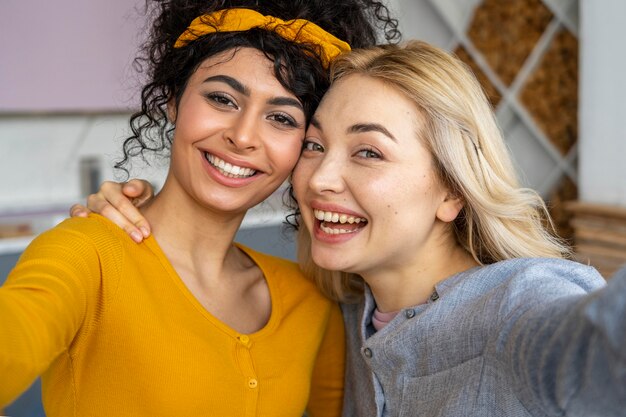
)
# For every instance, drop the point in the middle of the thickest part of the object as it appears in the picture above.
(525, 54)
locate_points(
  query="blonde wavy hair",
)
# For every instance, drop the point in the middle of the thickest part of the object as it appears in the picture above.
(500, 219)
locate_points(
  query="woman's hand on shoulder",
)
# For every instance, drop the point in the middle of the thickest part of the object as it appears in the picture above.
(119, 202)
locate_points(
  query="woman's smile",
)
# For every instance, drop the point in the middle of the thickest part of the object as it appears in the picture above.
(227, 169)
(238, 133)
(334, 224)
(365, 183)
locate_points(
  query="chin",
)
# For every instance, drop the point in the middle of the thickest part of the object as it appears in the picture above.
(332, 262)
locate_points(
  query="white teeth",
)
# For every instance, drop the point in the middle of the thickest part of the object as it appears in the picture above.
(229, 170)
(329, 216)
(332, 231)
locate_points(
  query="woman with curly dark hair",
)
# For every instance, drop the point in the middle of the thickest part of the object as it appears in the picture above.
(188, 322)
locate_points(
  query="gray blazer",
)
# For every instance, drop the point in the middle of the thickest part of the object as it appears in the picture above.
(523, 337)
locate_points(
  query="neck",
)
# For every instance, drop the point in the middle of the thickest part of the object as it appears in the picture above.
(188, 231)
(413, 283)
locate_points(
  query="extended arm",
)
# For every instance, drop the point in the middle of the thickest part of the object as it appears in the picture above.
(567, 353)
(43, 305)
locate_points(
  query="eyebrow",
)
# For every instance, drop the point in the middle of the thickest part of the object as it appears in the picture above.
(285, 101)
(240, 88)
(233, 83)
(360, 128)
(371, 127)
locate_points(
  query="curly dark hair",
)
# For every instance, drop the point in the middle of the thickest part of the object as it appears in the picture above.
(296, 65)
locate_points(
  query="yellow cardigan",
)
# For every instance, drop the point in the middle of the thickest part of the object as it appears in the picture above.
(115, 332)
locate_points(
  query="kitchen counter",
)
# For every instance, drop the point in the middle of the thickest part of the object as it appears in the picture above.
(35, 219)
(20, 225)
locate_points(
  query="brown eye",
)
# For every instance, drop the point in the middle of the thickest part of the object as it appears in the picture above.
(283, 119)
(310, 146)
(369, 154)
(221, 100)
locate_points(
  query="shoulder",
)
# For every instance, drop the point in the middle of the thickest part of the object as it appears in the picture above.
(93, 227)
(551, 272)
(78, 251)
(527, 271)
(82, 236)
(538, 283)
(521, 281)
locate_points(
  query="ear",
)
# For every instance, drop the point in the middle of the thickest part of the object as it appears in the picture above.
(450, 207)
(171, 110)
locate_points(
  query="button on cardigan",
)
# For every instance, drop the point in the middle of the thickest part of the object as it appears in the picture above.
(115, 332)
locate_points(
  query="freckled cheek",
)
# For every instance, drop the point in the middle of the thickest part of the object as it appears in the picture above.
(395, 198)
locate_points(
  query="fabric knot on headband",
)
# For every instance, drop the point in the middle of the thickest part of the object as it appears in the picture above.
(240, 20)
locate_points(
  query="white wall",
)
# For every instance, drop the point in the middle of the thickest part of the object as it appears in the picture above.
(66, 84)
(39, 154)
(602, 164)
(419, 20)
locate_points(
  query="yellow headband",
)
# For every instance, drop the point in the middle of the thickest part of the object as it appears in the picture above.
(239, 20)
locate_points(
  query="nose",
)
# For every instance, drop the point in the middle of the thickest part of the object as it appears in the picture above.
(328, 175)
(243, 133)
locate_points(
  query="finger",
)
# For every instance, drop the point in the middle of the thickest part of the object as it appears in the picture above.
(78, 210)
(139, 190)
(112, 204)
(133, 188)
(111, 213)
(142, 192)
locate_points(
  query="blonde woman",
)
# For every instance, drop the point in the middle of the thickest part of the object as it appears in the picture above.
(456, 300)
(465, 305)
